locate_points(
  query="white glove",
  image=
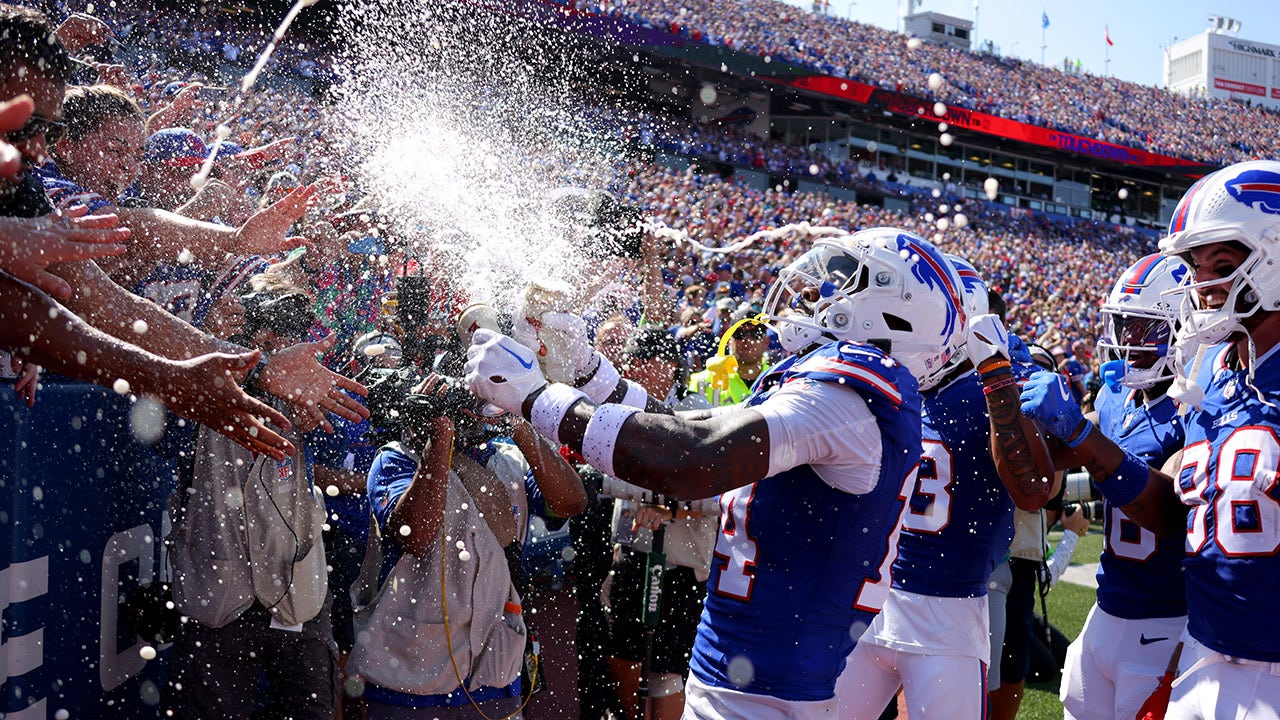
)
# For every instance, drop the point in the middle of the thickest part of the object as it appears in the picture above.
(560, 342)
(986, 338)
(501, 371)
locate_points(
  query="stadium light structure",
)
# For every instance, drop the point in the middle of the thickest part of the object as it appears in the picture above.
(1224, 25)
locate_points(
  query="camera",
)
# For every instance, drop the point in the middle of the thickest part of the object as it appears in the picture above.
(287, 315)
(1093, 509)
(393, 404)
(606, 225)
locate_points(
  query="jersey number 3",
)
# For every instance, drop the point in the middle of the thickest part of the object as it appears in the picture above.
(930, 505)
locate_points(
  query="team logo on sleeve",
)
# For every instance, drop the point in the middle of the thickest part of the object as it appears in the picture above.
(1259, 189)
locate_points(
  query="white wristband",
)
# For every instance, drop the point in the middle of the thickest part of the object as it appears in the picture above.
(550, 407)
(602, 435)
(603, 382)
(636, 396)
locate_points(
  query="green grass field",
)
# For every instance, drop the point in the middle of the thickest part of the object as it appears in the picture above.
(1068, 606)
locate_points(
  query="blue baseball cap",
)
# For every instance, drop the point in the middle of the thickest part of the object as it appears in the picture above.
(173, 88)
(175, 146)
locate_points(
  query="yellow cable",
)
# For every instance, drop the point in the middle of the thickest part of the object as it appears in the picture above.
(448, 637)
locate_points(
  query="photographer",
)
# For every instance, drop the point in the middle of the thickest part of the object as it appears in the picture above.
(249, 562)
(457, 520)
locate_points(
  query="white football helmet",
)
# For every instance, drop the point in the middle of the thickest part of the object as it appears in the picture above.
(1138, 323)
(1240, 203)
(883, 286)
(976, 303)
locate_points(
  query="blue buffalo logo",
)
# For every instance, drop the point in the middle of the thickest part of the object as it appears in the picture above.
(1259, 189)
(931, 269)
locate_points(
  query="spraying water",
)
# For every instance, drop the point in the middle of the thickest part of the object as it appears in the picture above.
(461, 119)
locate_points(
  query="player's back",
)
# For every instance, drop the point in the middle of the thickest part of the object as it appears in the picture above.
(959, 520)
(798, 562)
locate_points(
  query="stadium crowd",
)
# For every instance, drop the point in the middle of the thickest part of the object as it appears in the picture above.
(123, 140)
(1212, 131)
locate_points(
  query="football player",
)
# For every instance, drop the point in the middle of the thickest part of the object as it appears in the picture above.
(1221, 491)
(813, 469)
(1141, 611)
(931, 638)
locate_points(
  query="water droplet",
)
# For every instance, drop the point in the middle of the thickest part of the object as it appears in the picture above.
(146, 420)
(147, 652)
(332, 491)
(140, 326)
(404, 531)
(741, 671)
(915, 44)
(464, 556)
(935, 81)
(945, 139)
(121, 386)
(939, 109)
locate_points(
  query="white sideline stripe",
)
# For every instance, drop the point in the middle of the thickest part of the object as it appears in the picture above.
(1086, 575)
(24, 581)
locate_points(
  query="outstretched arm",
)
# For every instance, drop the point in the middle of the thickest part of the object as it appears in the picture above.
(1146, 495)
(686, 459)
(202, 389)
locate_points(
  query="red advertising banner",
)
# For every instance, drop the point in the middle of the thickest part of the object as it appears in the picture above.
(1275, 93)
(1241, 87)
(902, 104)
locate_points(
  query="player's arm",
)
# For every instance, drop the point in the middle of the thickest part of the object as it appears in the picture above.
(1021, 456)
(1145, 494)
(665, 453)
(672, 455)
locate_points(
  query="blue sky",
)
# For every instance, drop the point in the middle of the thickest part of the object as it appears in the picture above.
(1139, 28)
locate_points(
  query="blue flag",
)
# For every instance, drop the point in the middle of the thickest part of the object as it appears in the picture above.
(1044, 19)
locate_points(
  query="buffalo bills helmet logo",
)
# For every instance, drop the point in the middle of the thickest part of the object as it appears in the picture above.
(1259, 189)
(931, 269)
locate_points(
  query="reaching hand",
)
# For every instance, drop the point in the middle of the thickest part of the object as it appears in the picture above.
(81, 31)
(501, 371)
(264, 233)
(13, 115)
(310, 389)
(28, 381)
(205, 389)
(986, 338)
(1047, 399)
(28, 246)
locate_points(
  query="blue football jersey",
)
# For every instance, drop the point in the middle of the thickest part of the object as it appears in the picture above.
(1229, 478)
(799, 563)
(1139, 575)
(176, 288)
(959, 521)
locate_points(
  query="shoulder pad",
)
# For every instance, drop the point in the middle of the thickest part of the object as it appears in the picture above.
(862, 367)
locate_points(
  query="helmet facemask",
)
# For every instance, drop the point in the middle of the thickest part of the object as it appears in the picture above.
(856, 289)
